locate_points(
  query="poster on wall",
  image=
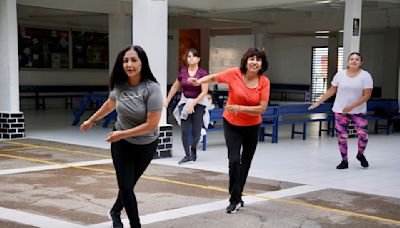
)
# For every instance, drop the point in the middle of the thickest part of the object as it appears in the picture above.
(90, 50)
(188, 38)
(356, 26)
(226, 52)
(42, 48)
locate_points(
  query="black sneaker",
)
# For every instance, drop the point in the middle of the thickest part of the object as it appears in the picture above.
(241, 203)
(184, 160)
(343, 165)
(194, 158)
(115, 217)
(363, 160)
(233, 207)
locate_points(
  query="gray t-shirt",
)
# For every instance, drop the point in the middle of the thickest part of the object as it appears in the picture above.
(132, 105)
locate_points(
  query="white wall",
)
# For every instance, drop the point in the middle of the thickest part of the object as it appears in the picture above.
(63, 77)
(227, 51)
(290, 59)
(371, 48)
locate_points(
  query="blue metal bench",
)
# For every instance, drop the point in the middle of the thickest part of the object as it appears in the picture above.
(98, 99)
(299, 114)
(215, 117)
(386, 110)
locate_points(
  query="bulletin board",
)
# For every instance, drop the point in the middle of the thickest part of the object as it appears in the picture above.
(42, 48)
(90, 50)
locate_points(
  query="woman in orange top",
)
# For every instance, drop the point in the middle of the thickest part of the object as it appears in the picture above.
(248, 99)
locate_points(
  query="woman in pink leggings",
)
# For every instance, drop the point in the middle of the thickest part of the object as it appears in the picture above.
(353, 88)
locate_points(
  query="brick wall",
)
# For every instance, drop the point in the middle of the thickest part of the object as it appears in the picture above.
(12, 125)
(164, 142)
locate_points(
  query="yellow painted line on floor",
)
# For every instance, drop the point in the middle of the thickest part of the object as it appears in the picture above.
(54, 163)
(20, 148)
(59, 149)
(216, 189)
(328, 209)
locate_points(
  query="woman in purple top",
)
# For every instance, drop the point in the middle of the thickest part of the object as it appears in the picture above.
(192, 104)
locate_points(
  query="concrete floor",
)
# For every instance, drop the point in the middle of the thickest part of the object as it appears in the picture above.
(60, 177)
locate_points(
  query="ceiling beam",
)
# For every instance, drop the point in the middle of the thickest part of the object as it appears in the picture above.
(93, 6)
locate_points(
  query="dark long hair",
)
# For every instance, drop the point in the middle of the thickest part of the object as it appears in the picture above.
(258, 54)
(195, 53)
(118, 75)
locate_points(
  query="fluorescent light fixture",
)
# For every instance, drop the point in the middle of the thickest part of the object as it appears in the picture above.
(324, 2)
(323, 32)
(322, 37)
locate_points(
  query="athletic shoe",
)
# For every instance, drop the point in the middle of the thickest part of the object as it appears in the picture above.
(184, 160)
(115, 218)
(343, 165)
(233, 207)
(363, 160)
(241, 203)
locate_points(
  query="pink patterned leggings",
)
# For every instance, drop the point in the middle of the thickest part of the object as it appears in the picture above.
(361, 126)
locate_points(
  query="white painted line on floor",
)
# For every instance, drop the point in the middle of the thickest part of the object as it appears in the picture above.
(34, 220)
(214, 206)
(51, 167)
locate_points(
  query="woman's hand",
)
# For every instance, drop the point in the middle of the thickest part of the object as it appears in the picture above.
(193, 81)
(233, 108)
(114, 136)
(316, 104)
(85, 126)
(165, 104)
(190, 107)
(347, 109)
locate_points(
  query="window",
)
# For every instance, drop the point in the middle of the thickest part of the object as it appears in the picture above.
(319, 78)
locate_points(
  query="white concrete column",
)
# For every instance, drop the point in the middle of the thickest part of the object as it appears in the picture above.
(352, 28)
(259, 41)
(12, 121)
(332, 56)
(119, 35)
(150, 31)
(9, 86)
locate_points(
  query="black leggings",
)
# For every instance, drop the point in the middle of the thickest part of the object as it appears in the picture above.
(130, 161)
(236, 138)
(194, 122)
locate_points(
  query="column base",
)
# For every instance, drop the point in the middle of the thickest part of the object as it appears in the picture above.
(12, 125)
(164, 149)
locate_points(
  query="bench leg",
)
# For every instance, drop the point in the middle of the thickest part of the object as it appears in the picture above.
(293, 129)
(261, 134)
(304, 131)
(275, 133)
(388, 126)
(204, 143)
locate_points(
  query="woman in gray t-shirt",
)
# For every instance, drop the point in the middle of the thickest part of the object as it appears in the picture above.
(136, 96)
